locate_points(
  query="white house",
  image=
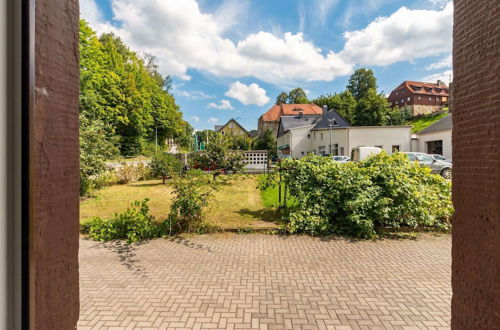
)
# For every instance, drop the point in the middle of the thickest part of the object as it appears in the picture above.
(332, 134)
(435, 139)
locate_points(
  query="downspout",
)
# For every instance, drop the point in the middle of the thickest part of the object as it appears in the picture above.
(291, 143)
(348, 144)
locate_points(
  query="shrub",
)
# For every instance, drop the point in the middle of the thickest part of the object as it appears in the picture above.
(191, 197)
(125, 173)
(134, 224)
(165, 165)
(357, 198)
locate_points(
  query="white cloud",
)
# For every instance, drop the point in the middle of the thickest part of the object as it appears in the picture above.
(183, 37)
(193, 95)
(213, 120)
(444, 63)
(248, 94)
(195, 118)
(446, 76)
(222, 105)
(405, 35)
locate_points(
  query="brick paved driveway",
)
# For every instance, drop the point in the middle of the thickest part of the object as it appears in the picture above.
(266, 282)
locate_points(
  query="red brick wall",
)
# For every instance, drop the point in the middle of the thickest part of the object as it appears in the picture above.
(476, 160)
(54, 168)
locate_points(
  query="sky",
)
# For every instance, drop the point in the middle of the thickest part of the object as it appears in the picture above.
(231, 58)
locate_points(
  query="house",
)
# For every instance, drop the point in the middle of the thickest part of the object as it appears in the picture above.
(232, 128)
(270, 120)
(436, 138)
(419, 98)
(331, 134)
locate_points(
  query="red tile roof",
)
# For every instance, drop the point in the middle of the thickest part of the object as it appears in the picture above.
(279, 110)
(424, 88)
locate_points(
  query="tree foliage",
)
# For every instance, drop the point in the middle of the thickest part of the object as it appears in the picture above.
(165, 165)
(360, 82)
(295, 96)
(267, 142)
(127, 92)
(344, 103)
(374, 110)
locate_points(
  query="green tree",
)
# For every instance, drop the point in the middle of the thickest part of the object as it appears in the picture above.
(374, 110)
(282, 98)
(344, 103)
(266, 142)
(220, 154)
(360, 82)
(297, 96)
(165, 165)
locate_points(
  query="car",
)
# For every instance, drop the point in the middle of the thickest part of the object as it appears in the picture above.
(441, 158)
(437, 166)
(341, 159)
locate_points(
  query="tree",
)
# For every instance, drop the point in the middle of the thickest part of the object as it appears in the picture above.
(295, 96)
(374, 110)
(282, 98)
(360, 82)
(220, 154)
(165, 165)
(344, 103)
(266, 142)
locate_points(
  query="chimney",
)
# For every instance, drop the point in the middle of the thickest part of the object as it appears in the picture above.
(301, 115)
(325, 109)
(440, 83)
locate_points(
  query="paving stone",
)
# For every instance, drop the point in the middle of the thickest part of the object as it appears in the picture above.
(266, 282)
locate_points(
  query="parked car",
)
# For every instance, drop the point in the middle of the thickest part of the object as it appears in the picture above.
(361, 153)
(437, 166)
(341, 159)
(441, 158)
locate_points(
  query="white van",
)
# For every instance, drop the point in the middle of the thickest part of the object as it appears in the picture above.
(361, 153)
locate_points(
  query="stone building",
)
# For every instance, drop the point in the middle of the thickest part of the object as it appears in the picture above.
(420, 98)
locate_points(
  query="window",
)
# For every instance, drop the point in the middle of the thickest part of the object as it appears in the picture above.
(315, 135)
(409, 98)
(402, 101)
(435, 147)
(322, 150)
(381, 147)
(430, 98)
(302, 153)
(321, 136)
(342, 151)
(396, 102)
(425, 158)
(419, 98)
(308, 136)
(396, 93)
(336, 149)
(395, 148)
(231, 125)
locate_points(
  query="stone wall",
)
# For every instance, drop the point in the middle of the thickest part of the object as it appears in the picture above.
(54, 168)
(476, 165)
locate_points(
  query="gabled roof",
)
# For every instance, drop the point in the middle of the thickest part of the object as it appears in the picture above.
(289, 122)
(279, 110)
(442, 124)
(218, 128)
(334, 118)
(424, 88)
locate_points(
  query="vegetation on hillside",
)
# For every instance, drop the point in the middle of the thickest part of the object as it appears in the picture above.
(420, 123)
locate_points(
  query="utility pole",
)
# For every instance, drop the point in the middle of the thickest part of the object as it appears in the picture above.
(330, 121)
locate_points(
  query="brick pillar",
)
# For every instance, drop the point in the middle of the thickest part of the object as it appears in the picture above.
(54, 168)
(476, 165)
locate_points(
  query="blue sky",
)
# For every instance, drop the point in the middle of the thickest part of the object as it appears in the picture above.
(231, 58)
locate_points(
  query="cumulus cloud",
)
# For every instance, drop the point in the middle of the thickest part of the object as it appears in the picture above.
(248, 94)
(213, 120)
(183, 37)
(195, 118)
(222, 105)
(405, 35)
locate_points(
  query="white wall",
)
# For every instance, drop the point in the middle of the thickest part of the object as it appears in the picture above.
(300, 143)
(445, 136)
(385, 136)
(339, 136)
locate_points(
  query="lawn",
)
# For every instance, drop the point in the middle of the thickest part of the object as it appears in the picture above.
(236, 205)
(424, 122)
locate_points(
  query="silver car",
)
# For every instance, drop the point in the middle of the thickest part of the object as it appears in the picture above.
(437, 166)
(341, 159)
(441, 158)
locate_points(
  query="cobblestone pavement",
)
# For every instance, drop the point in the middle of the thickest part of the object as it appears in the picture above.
(266, 282)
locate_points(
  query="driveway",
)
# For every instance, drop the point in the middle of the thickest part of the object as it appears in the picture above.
(231, 281)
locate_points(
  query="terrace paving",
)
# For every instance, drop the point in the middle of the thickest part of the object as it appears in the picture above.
(230, 281)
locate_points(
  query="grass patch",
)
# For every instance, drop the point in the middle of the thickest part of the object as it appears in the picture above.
(270, 195)
(237, 204)
(421, 123)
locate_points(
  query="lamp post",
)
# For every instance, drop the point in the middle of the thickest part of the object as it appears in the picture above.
(330, 124)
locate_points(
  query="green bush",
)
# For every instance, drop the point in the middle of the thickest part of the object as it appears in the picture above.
(135, 224)
(165, 166)
(358, 198)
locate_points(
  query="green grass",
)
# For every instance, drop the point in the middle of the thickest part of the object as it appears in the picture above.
(270, 195)
(235, 205)
(424, 122)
